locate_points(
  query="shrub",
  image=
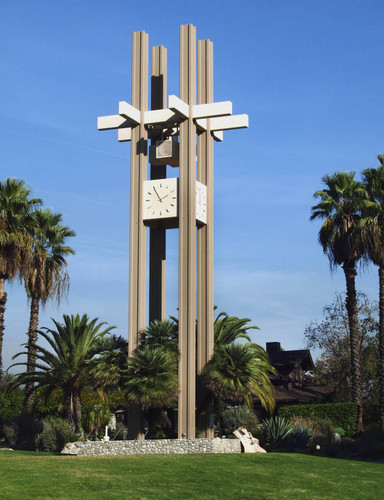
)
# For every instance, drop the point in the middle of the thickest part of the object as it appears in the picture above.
(56, 432)
(369, 447)
(11, 404)
(321, 430)
(300, 437)
(340, 414)
(273, 431)
(53, 406)
(340, 431)
(232, 418)
(20, 432)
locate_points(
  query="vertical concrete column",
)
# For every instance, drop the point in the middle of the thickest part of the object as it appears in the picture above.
(137, 242)
(187, 238)
(205, 279)
(157, 236)
(139, 168)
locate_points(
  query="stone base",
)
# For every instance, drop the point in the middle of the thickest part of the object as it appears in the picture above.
(154, 446)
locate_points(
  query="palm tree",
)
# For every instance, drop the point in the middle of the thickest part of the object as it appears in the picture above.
(228, 329)
(15, 241)
(109, 363)
(66, 367)
(152, 377)
(373, 226)
(161, 334)
(341, 239)
(45, 276)
(152, 382)
(217, 376)
(240, 371)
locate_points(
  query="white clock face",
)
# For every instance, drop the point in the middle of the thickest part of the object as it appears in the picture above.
(160, 199)
(201, 202)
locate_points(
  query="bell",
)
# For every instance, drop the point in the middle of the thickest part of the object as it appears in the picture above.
(164, 152)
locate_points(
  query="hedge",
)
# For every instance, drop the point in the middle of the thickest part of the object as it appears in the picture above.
(340, 414)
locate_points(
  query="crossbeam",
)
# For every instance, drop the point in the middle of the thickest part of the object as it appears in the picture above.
(129, 112)
(112, 122)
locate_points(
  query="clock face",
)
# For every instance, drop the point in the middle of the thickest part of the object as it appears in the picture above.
(201, 202)
(160, 200)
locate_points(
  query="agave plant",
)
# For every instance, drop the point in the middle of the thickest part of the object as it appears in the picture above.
(274, 431)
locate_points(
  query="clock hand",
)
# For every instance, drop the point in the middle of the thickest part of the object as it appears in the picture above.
(157, 194)
(164, 197)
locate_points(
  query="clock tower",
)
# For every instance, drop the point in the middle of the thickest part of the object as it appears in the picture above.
(177, 127)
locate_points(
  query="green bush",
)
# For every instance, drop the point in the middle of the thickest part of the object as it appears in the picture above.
(56, 432)
(232, 418)
(340, 414)
(11, 404)
(340, 431)
(20, 432)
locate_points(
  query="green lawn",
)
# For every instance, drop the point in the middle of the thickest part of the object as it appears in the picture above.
(28, 475)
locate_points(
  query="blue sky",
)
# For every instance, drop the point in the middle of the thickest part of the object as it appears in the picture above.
(310, 75)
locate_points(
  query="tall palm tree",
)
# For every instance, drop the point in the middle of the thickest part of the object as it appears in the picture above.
(45, 276)
(341, 239)
(15, 241)
(66, 366)
(373, 226)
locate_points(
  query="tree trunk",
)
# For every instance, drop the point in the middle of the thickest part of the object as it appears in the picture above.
(77, 410)
(32, 339)
(381, 344)
(351, 305)
(69, 408)
(3, 301)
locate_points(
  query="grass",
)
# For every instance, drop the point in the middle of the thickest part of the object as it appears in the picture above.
(30, 475)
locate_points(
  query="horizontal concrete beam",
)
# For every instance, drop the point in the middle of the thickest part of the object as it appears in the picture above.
(129, 112)
(229, 122)
(124, 134)
(212, 109)
(160, 116)
(178, 106)
(218, 135)
(112, 121)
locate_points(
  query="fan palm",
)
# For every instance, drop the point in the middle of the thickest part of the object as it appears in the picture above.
(240, 371)
(152, 380)
(66, 367)
(46, 276)
(161, 334)
(15, 241)
(341, 239)
(373, 226)
(110, 362)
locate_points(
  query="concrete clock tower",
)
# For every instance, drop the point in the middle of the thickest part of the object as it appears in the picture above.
(177, 127)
